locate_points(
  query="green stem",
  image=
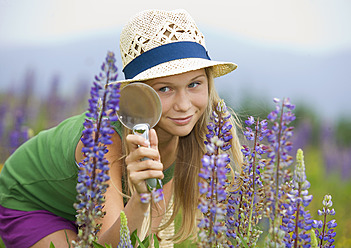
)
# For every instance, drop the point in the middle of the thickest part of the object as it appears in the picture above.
(97, 134)
(239, 211)
(253, 181)
(297, 218)
(96, 142)
(214, 197)
(277, 171)
(325, 220)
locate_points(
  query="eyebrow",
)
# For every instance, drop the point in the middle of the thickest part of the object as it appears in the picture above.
(165, 82)
(201, 75)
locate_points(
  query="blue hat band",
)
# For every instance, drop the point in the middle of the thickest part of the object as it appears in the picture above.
(162, 54)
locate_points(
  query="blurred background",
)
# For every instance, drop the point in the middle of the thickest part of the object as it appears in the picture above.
(50, 51)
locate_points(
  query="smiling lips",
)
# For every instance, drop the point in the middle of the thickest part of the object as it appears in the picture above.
(182, 121)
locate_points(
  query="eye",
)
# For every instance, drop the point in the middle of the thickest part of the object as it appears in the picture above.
(164, 89)
(193, 84)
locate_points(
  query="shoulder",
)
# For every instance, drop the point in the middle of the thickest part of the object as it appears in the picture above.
(114, 149)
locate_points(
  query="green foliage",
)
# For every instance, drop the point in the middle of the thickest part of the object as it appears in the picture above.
(142, 244)
(243, 242)
(133, 237)
(146, 242)
(97, 245)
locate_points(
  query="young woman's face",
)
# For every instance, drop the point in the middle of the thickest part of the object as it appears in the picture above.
(184, 99)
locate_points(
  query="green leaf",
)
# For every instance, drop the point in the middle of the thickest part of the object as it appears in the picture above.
(67, 239)
(243, 241)
(52, 245)
(141, 245)
(97, 245)
(133, 237)
(146, 241)
(156, 243)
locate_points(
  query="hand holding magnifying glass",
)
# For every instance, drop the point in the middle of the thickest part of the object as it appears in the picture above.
(139, 110)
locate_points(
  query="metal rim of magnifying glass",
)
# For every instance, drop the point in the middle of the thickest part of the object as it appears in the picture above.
(156, 97)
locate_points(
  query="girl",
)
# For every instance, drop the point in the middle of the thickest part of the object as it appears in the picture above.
(165, 50)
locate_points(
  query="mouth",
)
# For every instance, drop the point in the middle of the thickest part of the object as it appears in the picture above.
(182, 121)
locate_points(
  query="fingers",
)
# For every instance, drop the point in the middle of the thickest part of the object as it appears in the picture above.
(139, 171)
(140, 148)
(141, 153)
(145, 169)
(138, 168)
(134, 141)
(153, 139)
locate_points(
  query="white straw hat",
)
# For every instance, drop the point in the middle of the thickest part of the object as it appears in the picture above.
(158, 43)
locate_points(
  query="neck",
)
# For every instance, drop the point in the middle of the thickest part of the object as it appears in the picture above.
(167, 146)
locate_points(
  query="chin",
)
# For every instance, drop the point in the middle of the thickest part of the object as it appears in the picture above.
(182, 131)
(178, 131)
(184, 134)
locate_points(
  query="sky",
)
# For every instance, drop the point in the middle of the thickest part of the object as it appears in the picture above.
(318, 25)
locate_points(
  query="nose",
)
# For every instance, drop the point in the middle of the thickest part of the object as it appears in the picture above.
(182, 102)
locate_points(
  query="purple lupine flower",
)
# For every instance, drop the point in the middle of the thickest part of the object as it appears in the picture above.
(325, 230)
(213, 195)
(93, 173)
(20, 132)
(124, 236)
(276, 176)
(155, 195)
(296, 221)
(245, 203)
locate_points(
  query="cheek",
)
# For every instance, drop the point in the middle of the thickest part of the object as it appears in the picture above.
(166, 104)
(201, 101)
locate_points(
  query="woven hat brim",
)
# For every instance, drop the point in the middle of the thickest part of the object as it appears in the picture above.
(179, 66)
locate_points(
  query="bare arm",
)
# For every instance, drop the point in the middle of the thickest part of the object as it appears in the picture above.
(138, 171)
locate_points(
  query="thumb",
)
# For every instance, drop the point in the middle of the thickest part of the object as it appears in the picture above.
(153, 139)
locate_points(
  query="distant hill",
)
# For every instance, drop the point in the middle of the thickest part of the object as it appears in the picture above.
(319, 80)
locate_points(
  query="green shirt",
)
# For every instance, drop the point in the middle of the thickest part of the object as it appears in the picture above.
(42, 173)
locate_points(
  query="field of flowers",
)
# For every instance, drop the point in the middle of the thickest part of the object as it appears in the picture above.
(327, 146)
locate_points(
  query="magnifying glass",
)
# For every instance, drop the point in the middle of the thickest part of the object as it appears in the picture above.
(139, 110)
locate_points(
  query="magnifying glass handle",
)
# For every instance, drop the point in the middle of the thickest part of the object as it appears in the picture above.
(143, 130)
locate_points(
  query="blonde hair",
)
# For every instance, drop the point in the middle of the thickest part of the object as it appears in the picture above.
(191, 149)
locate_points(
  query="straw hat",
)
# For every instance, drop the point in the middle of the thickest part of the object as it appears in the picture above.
(158, 43)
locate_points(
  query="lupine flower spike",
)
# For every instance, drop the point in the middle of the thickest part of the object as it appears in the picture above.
(93, 173)
(296, 221)
(213, 173)
(325, 230)
(249, 197)
(125, 241)
(276, 175)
